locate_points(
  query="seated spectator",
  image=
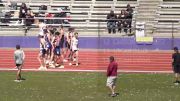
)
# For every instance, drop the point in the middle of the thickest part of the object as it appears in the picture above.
(49, 15)
(29, 20)
(122, 21)
(23, 12)
(111, 22)
(42, 11)
(7, 17)
(129, 16)
(61, 14)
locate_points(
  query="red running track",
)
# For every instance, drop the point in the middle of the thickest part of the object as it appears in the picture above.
(95, 60)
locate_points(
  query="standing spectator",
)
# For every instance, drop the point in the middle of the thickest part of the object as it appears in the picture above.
(23, 12)
(111, 23)
(19, 60)
(129, 16)
(112, 76)
(176, 64)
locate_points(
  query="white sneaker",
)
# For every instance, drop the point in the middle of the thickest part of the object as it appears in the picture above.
(44, 68)
(51, 66)
(57, 65)
(65, 60)
(17, 80)
(74, 59)
(51, 62)
(70, 64)
(176, 84)
(47, 62)
(40, 68)
(77, 64)
(62, 66)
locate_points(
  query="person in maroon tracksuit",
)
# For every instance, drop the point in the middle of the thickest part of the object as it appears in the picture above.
(112, 76)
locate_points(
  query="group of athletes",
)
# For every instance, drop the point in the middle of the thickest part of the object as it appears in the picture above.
(57, 46)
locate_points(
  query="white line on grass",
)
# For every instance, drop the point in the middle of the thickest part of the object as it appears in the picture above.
(82, 70)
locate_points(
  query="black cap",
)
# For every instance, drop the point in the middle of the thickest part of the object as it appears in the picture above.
(18, 47)
(176, 48)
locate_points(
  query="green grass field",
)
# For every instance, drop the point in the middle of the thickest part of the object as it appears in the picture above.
(76, 86)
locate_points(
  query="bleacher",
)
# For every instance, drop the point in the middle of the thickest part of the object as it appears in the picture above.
(85, 14)
(168, 19)
(88, 16)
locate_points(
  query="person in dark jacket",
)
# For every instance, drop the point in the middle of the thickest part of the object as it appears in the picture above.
(22, 12)
(129, 16)
(29, 20)
(111, 22)
(122, 23)
(176, 64)
(112, 76)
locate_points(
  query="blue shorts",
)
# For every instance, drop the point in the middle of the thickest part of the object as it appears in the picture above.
(43, 51)
(57, 51)
(48, 45)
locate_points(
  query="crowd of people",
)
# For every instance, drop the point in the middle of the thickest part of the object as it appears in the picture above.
(57, 46)
(122, 21)
(26, 15)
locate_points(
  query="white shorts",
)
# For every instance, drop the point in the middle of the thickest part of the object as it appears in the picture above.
(74, 49)
(111, 81)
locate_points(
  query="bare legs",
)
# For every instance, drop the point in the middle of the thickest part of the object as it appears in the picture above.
(18, 75)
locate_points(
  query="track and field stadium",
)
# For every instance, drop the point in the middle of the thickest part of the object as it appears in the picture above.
(141, 36)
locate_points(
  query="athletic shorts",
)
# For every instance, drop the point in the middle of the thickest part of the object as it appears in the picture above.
(57, 51)
(18, 66)
(48, 45)
(61, 44)
(43, 51)
(176, 68)
(111, 81)
(67, 45)
(75, 51)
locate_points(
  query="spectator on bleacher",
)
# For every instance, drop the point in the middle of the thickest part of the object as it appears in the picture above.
(42, 10)
(61, 14)
(122, 21)
(49, 15)
(23, 12)
(29, 19)
(111, 22)
(129, 16)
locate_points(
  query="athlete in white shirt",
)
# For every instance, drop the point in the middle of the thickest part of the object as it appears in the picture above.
(19, 58)
(74, 47)
(42, 52)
